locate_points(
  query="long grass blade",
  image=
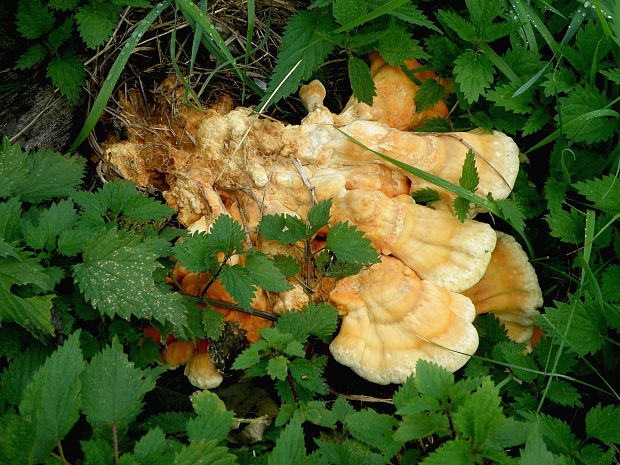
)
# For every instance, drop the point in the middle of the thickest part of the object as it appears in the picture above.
(115, 72)
(196, 40)
(500, 63)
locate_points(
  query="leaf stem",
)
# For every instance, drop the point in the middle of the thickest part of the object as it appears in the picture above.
(115, 442)
(61, 453)
(291, 383)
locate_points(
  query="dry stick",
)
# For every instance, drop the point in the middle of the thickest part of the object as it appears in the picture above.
(311, 189)
(362, 398)
(291, 383)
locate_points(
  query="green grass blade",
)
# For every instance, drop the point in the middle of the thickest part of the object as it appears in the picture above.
(115, 72)
(248, 40)
(528, 30)
(374, 14)
(196, 40)
(500, 64)
(458, 190)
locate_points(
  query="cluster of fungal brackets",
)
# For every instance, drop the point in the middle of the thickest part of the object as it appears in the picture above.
(436, 273)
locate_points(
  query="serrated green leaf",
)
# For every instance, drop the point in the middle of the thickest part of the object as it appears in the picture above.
(429, 93)
(204, 453)
(433, 380)
(504, 96)
(42, 227)
(249, 357)
(425, 196)
(287, 264)
(143, 208)
(67, 73)
(362, 84)
(612, 74)
(566, 226)
(97, 452)
(239, 284)
(37, 176)
(319, 320)
(307, 378)
(511, 211)
(169, 422)
(286, 229)
(555, 192)
(558, 435)
(535, 451)
(19, 373)
(305, 41)
(610, 285)
(435, 124)
(265, 274)
(18, 440)
(31, 57)
(563, 393)
(461, 208)
(473, 73)
(604, 192)
(61, 34)
(536, 121)
(374, 429)
(290, 446)
(341, 408)
(396, 46)
(510, 433)
(347, 11)
(197, 253)
(454, 452)
(10, 220)
(117, 279)
(465, 29)
(582, 100)
(349, 244)
(348, 452)
(33, 19)
(32, 313)
(63, 4)
(226, 235)
(573, 319)
(114, 387)
(420, 425)
(52, 399)
(408, 13)
(602, 424)
(277, 367)
(154, 448)
(213, 422)
(213, 323)
(95, 24)
(480, 415)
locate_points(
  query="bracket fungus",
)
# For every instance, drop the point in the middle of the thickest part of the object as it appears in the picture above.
(235, 162)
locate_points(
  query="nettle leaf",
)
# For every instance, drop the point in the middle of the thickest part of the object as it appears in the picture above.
(61, 34)
(374, 429)
(154, 448)
(536, 121)
(42, 227)
(429, 93)
(37, 176)
(611, 283)
(18, 440)
(63, 4)
(563, 393)
(31, 57)
(114, 387)
(612, 74)
(306, 39)
(197, 253)
(33, 19)
(503, 96)
(583, 333)
(117, 279)
(33, 313)
(97, 452)
(582, 100)
(286, 229)
(212, 323)
(458, 24)
(347, 11)
(67, 73)
(307, 377)
(52, 399)
(19, 373)
(473, 73)
(362, 84)
(407, 12)
(604, 193)
(95, 24)
(204, 453)
(602, 423)
(277, 367)
(290, 446)
(239, 284)
(566, 226)
(555, 192)
(287, 265)
(535, 451)
(319, 320)
(265, 274)
(433, 380)
(512, 213)
(420, 425)
(480, 415)
(396, 46)
(469, 180)
(213, 422)
(318, 215)
(349, 244)
(425, 196)
(435, 124)
(169, 422)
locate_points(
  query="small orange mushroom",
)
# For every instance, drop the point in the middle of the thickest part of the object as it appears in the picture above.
(200, 369)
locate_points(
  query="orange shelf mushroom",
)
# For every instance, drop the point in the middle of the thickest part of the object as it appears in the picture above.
(392, 319)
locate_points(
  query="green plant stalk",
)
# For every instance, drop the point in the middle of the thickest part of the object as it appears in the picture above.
(115, 72)
(197, 36)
